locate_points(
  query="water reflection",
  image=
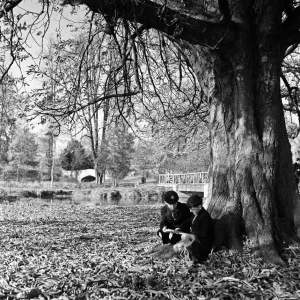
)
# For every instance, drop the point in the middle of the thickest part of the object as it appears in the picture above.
(88, 201)
(128, 198)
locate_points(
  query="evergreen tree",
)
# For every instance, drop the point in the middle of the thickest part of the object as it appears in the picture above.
(75, 158)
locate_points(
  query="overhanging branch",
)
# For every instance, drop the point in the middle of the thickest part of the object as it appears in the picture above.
(181, 24)
(8, 6)
(66, 111)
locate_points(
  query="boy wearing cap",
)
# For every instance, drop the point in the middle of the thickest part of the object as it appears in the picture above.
(201, 226)
(173, 215)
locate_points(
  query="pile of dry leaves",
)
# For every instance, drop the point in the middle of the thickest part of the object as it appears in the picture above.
(80, 252)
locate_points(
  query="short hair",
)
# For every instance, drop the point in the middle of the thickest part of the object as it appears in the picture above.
(194, 201)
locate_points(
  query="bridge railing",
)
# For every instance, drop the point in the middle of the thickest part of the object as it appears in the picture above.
(184, 178)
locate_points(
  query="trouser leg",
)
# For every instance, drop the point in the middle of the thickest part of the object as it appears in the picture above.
(196, 253)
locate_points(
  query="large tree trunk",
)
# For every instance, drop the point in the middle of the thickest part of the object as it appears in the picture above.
(252, 188)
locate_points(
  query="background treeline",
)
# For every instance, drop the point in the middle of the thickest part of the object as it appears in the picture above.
(28, 156)
(31, 154)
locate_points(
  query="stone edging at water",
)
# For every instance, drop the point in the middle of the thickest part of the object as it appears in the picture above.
(45, 193)
(151, 193)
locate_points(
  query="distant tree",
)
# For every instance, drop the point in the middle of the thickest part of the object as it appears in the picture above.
(75, 158)
(8, 113)
(144, 157)
(49, 165)
(102, 158)
(22, 153)
(119, 153)
(79, 97)
(194, 161)
(161, 154)
(290, 92)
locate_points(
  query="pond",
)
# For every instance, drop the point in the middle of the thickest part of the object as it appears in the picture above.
(125, 200)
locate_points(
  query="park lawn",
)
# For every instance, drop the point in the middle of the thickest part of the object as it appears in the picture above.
(100, 252)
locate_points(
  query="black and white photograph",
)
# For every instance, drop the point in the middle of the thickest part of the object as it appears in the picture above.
(149, 149)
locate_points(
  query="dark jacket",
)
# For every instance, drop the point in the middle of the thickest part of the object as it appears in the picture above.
(202, 228)
(296, 166)
(174, 219)
(297, 172)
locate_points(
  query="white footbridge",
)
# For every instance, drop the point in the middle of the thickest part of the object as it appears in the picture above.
(186, 183)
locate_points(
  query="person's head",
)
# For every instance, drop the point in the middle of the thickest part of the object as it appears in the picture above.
(171, 199)
(194, 203)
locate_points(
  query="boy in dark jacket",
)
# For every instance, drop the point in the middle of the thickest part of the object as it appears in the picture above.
(173, 215)
(201, 226)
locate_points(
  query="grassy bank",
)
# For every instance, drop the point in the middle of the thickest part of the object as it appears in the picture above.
(77, 252)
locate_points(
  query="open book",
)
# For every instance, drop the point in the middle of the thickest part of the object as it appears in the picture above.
(186, 239)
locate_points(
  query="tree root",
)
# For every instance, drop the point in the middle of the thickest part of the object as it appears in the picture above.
(270, 256)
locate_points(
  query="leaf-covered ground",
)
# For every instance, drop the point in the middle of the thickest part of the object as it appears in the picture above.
(80, 252)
